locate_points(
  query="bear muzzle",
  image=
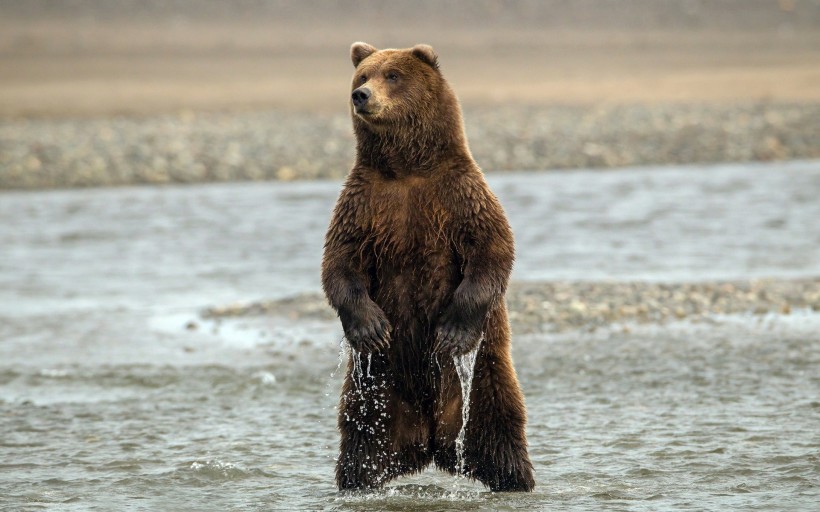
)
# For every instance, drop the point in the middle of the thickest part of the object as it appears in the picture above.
(360, 98)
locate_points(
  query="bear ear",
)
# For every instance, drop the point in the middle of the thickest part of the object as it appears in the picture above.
(426, 53)
(360, 51)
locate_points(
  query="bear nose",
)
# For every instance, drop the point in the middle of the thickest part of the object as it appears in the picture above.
(360, 96)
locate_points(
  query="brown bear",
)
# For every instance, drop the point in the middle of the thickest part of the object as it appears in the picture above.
(416, 263)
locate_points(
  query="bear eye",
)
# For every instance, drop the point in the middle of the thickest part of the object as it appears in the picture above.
(363, 79)
(392, 77)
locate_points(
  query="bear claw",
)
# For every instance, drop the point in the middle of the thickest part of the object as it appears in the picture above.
(369, 335)
(455, 341)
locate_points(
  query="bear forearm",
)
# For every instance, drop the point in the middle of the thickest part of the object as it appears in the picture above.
(345, 290)
(483, 285)
(486, 274)
(474, 298)
(365, 325)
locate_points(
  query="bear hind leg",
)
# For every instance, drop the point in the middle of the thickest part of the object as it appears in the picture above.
(495, 440)
(362, 464)
(503, 467)
(497, 454)
(382, 437)
(364, 467)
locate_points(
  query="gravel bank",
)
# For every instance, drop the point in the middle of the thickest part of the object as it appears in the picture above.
(277, 145)
(562, 306)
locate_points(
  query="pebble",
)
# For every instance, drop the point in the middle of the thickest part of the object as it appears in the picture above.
(276, 145)
(562, 306)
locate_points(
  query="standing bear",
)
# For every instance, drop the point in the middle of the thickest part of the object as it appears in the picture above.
(416, 264)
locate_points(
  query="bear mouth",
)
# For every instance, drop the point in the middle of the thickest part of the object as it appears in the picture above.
(367, 111)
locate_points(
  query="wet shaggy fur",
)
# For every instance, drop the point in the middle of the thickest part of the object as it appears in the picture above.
(417, 259)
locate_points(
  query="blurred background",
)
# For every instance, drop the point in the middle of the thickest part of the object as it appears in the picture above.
(202, 90)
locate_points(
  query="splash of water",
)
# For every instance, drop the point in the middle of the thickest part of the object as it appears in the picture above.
(343, 348)
(358, 373)
(370, 388)
(465, 367)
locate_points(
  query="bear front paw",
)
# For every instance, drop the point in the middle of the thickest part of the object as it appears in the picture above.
(456, 336)
(367, 331)
(454, 340)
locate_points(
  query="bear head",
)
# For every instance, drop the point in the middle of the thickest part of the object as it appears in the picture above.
(394, 86)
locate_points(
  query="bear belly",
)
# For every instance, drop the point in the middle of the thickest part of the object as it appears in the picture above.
(412, 294)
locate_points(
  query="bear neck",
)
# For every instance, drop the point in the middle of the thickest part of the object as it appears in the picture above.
(416, 147)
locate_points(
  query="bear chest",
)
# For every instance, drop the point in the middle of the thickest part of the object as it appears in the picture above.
(407, 222)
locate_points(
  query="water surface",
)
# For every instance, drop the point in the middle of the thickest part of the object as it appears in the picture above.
(115, 394)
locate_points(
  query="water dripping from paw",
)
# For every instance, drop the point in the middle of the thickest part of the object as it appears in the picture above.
(465, 368)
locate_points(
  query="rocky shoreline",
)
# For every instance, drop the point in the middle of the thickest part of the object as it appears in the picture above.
(281, 145)
(563, 306)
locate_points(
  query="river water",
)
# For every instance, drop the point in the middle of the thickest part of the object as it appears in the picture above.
(116, 395)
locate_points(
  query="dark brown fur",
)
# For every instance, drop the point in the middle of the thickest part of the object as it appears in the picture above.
(417, 259)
